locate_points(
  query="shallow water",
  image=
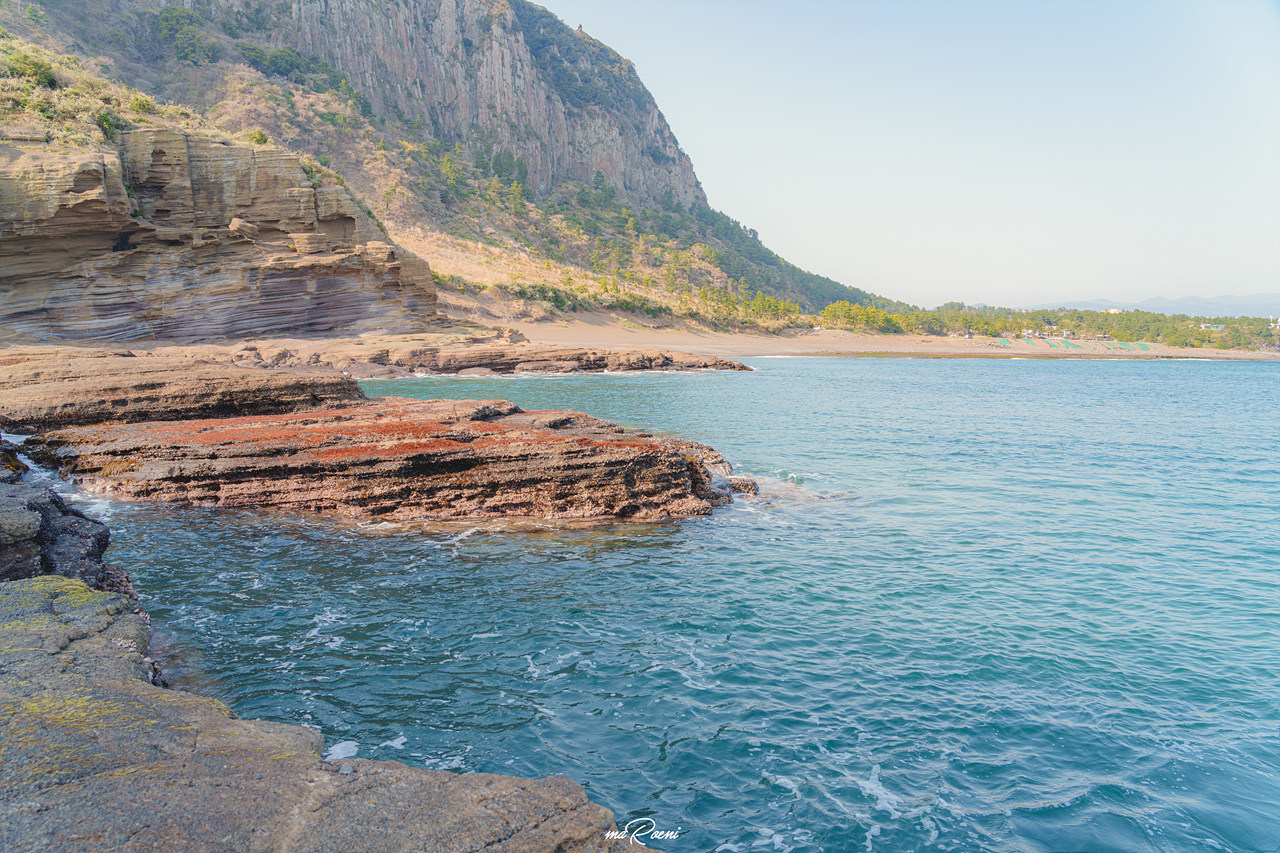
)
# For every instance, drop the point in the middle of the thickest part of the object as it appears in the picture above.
(983, 605)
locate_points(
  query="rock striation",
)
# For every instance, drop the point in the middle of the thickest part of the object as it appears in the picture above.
(177, 428)
(167, 235)
(93, 757)
(47, 387)
(390, 356)
(398, 459)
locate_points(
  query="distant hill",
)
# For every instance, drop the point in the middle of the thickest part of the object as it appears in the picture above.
(1253, 305)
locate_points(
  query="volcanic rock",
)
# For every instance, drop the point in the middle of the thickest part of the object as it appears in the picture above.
(397, 459)
(40, 534)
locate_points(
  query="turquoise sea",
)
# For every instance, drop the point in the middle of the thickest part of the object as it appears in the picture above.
(982, 605)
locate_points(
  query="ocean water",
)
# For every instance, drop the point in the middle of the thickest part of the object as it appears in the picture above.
(981, 605)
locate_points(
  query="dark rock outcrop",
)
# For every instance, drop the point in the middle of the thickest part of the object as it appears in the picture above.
(40, 534)
(11, 467)
(397, 459)
(93, 757)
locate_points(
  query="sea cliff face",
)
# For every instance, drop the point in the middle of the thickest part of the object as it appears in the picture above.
(470, 67)
(168, 235)
(492, 74)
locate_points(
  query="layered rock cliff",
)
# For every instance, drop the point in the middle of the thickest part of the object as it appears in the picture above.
(171, 235)
(492, 74)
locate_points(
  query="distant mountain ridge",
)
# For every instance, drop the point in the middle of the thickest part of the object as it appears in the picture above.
(1253, 305)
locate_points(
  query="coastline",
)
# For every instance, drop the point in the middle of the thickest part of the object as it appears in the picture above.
(602, 330)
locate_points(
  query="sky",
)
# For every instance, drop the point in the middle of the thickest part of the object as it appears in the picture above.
(1004, 152)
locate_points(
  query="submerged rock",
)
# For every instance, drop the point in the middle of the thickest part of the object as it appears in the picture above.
(94, 757)
(399, 459)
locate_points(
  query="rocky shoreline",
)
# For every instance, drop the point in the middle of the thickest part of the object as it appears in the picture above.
(96, 756)
(175, 428)
(461, 350)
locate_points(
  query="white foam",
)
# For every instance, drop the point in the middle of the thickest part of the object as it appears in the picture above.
(784, 782)
(886, 800)
(398, 743)
(488, 636)
(342, 749)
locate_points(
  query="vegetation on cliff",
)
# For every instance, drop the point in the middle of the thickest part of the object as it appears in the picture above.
(668, 257)
(582, 244)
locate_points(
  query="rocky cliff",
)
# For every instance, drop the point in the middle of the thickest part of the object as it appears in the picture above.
(171, 235)
(492, 74)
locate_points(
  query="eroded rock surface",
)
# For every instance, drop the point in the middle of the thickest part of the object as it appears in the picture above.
(95, 758)
(392, 356)
(47, 387)
(40, 534)
(167, 235)
(398, 459)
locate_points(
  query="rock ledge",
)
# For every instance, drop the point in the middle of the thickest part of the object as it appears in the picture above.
(95, 758)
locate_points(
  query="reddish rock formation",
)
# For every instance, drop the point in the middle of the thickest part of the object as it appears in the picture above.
(398, 459)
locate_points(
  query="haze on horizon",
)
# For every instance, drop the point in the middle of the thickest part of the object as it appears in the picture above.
(987, 151)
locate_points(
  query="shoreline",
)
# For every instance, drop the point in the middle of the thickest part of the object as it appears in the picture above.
(610, 331)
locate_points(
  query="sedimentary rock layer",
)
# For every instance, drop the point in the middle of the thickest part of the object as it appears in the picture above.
(95, 758)
(386, 356)
(46, 387)
(170, 236)
(398, 459)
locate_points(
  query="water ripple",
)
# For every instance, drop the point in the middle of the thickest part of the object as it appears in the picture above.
(981, 606)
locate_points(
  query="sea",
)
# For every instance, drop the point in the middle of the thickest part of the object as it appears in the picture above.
(979, 605)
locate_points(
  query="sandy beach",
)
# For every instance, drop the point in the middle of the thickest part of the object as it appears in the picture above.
(608, 331)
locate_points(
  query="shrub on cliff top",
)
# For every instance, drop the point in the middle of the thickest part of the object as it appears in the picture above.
(25, 65)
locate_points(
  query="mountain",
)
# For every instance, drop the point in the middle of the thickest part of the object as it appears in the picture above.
(501, 75)
(488, 121)
(1253, 305)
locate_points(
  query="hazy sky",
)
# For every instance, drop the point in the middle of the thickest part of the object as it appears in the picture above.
(1009, 152)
